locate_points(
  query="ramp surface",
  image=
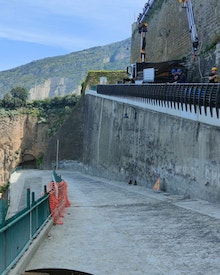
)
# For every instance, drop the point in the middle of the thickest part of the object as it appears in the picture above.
(116, 228)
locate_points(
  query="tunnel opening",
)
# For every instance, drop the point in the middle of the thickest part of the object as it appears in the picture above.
(28, 162)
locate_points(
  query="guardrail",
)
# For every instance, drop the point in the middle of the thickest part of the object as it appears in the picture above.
(188, 95)
(17, 233)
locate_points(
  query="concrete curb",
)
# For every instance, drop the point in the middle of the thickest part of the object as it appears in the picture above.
(23, 262)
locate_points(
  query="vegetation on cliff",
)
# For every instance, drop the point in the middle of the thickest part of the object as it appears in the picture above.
(112, 77)
(4, 188)
(52, 111)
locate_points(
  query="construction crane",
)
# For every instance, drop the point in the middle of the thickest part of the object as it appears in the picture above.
(136, 71)
(187, 4)
(142, 28)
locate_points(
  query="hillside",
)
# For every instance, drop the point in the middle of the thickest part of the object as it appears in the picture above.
(61, 75)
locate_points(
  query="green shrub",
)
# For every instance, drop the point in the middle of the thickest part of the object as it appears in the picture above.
(4, 187)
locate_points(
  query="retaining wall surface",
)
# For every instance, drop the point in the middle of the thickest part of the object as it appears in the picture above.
(184, 154)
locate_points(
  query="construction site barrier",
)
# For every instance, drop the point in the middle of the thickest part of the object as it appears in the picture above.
(58, 200)
(193, 96)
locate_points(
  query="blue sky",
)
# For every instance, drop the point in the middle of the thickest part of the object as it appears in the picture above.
(35, 29)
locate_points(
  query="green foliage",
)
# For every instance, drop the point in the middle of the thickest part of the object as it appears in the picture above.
(39, 160)
(7, 101)
(93, 77)
(11, 106)
(4, 188)
(20, 93)
(15, 99)
(53, 111)
(74, 66)
(55, 102)
(8, 113)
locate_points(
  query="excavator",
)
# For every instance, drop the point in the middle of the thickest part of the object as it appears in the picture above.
(162, 69)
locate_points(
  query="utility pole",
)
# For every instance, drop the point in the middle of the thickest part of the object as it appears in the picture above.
(57, 155)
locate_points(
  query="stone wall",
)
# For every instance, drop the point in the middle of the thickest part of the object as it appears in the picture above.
(183, 153)
(168, 36)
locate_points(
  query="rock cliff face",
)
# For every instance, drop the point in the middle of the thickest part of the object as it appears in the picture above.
(55, 86)
(70, 136)
(23, 141)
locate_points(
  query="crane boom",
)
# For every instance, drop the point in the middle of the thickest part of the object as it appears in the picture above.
(192, 26)
(187, 4)
(142, 28)
(146, 9)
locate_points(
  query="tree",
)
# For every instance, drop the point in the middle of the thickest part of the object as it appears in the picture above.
(20, 93)
(7, 101)
(15, 99)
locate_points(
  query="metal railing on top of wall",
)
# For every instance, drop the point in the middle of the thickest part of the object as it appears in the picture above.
(188, 95)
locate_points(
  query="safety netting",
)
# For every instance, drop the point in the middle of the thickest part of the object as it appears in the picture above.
(58, 198)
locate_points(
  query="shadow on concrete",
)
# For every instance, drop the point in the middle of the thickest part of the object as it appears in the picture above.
(55, 271)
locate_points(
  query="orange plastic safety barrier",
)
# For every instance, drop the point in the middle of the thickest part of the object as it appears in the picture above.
(58, 200)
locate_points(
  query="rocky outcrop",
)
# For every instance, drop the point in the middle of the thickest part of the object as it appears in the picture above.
(23, 140)
(55, 86)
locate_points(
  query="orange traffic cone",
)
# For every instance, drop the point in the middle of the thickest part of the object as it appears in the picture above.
(157, 185)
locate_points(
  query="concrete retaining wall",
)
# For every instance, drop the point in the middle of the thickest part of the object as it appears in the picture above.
(184, 154)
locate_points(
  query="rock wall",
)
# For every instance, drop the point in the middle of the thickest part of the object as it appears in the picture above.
(56, 86)
(69, 139)
(23, 139)
(168, 36)
(183, 153)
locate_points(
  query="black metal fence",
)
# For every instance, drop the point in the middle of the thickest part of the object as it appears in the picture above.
(189, 96)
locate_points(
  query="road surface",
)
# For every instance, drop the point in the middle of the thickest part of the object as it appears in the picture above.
(115, 228)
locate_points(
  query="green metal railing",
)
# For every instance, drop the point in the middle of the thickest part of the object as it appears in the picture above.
(17, 233)
(3, 209)
(56, 177)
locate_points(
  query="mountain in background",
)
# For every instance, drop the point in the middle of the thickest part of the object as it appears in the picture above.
(61, 75)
